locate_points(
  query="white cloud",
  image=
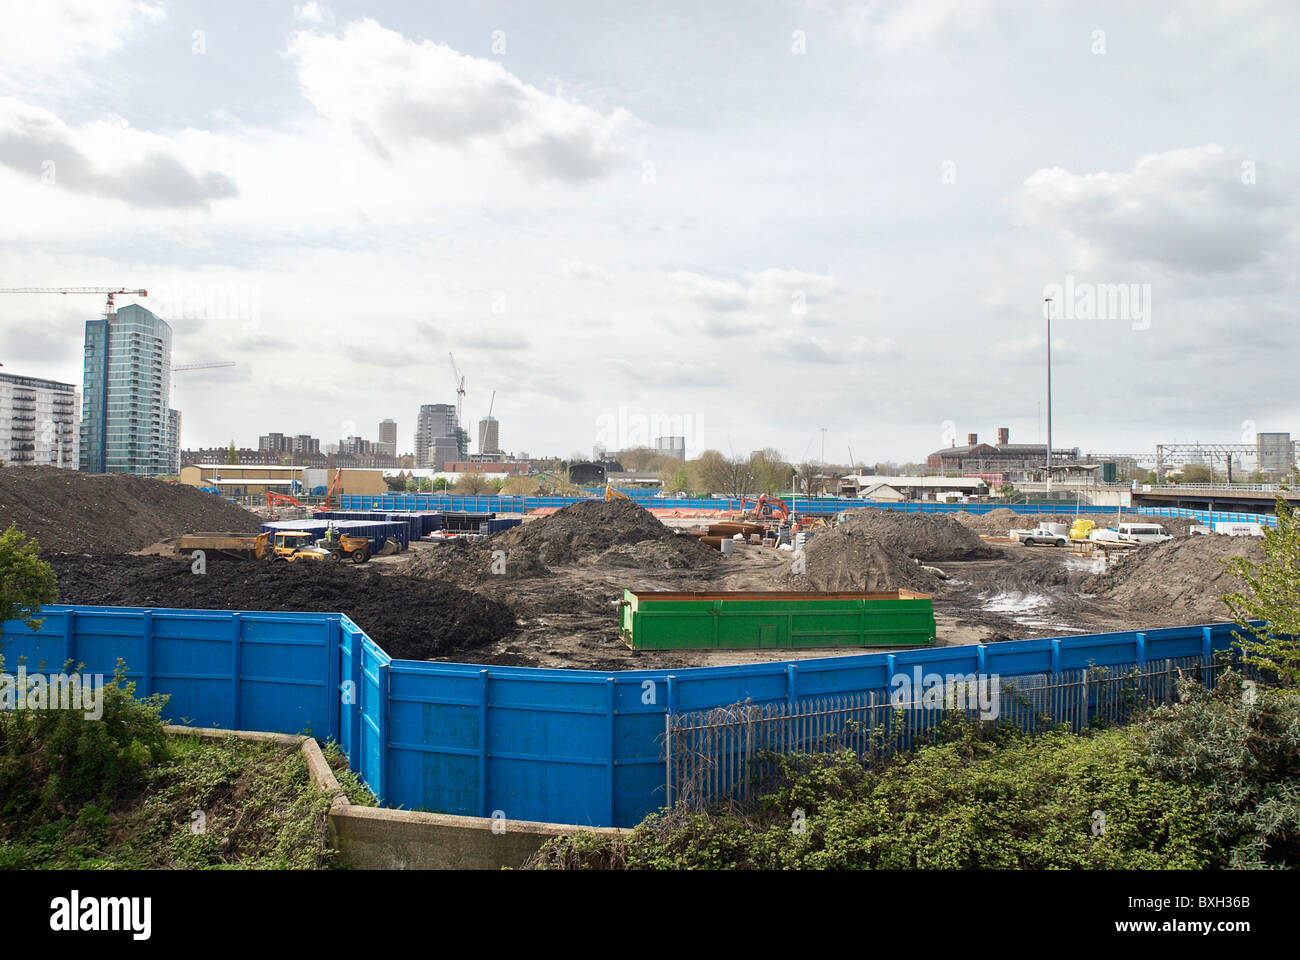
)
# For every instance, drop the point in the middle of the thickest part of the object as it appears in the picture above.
(44, 45)
(898, 26)
(1188, 210)
(763, 289)
(312, 12)
(105, 159)
(396, 94)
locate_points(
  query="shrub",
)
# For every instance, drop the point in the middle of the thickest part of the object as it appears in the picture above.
(52, 760)
(1009, 801)
(1240, 746)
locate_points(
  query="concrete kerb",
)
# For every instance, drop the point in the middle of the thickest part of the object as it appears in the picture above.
(380, 838)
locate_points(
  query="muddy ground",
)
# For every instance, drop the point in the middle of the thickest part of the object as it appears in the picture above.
(546, 593)
(569, 618)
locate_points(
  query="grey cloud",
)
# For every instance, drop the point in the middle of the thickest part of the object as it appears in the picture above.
(481, 109)
(157, 181)
(572, 156)
(1186, 210)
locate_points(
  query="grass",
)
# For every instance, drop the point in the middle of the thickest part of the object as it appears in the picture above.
(207, 804)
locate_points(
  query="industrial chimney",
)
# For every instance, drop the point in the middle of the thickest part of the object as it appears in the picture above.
(1004, 436)
(972, 438)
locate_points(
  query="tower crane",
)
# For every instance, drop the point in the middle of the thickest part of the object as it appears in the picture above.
(110, 292)
(460, 386)
(210, 365)
(203, 366)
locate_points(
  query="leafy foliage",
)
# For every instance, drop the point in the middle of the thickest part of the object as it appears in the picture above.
(26, 581)
(1240, 746)
(1271, 593)
(1009, 801)
(51, 760)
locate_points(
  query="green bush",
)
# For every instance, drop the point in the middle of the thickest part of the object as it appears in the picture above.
(53, 760)
(1009, 801)
(1240, 746)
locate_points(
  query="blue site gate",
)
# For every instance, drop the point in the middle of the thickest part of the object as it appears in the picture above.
(562, 746)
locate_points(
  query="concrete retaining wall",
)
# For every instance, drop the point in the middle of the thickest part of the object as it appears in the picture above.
(375, 838)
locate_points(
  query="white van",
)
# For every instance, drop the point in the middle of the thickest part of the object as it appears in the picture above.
(1142, 533)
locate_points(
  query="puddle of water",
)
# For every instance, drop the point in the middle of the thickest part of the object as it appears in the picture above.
(1025, 608)
(1086, 564)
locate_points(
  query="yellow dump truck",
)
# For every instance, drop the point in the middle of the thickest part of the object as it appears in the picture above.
(287, 545)
(251, 546)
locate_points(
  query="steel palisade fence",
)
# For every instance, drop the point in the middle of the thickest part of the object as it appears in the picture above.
(721, 754)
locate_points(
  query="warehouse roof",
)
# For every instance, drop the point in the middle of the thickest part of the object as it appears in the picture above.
(943, 483)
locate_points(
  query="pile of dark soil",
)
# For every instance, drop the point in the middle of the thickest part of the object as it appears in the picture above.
(848, 558)
(595, 531)
(592, 532)
(410, 619)
(1184, 577)
(65, 510)
(928, 537)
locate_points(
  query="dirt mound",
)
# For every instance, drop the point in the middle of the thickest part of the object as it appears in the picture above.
(585, 531)
(592, 532)
(65, 510)
(923, 536)
(848, 558)
(998, 522)
(410, 619)
(1185, 578)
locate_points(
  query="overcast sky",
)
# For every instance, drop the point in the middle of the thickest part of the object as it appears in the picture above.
(745, 222)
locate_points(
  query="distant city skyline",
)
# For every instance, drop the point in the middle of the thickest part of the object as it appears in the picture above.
(757, 220)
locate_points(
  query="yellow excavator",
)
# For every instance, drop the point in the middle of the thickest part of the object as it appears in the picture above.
(611, 493)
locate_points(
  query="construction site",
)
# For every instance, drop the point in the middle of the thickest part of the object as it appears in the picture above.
(547, 588)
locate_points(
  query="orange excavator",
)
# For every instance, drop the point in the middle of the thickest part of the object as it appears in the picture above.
(281, 498)
(766, 508)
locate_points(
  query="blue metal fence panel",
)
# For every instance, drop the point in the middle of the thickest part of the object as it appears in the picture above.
(808, 505)
(568, 746)
(258, 671)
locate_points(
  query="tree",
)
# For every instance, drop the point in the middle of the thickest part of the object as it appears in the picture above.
(232, 454)
(26, 581)
(772, 474)
(439, 483)
(1271, 592)
(473, 484)
(498, 483)
(1196, 473)
(807, 476)
(668, 472)
(740, 479)
(708, 472)
(426, 485)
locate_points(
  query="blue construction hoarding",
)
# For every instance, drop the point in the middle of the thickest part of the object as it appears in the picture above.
(566, 746)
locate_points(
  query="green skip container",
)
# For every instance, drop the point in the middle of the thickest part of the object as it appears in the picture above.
(776, 620)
